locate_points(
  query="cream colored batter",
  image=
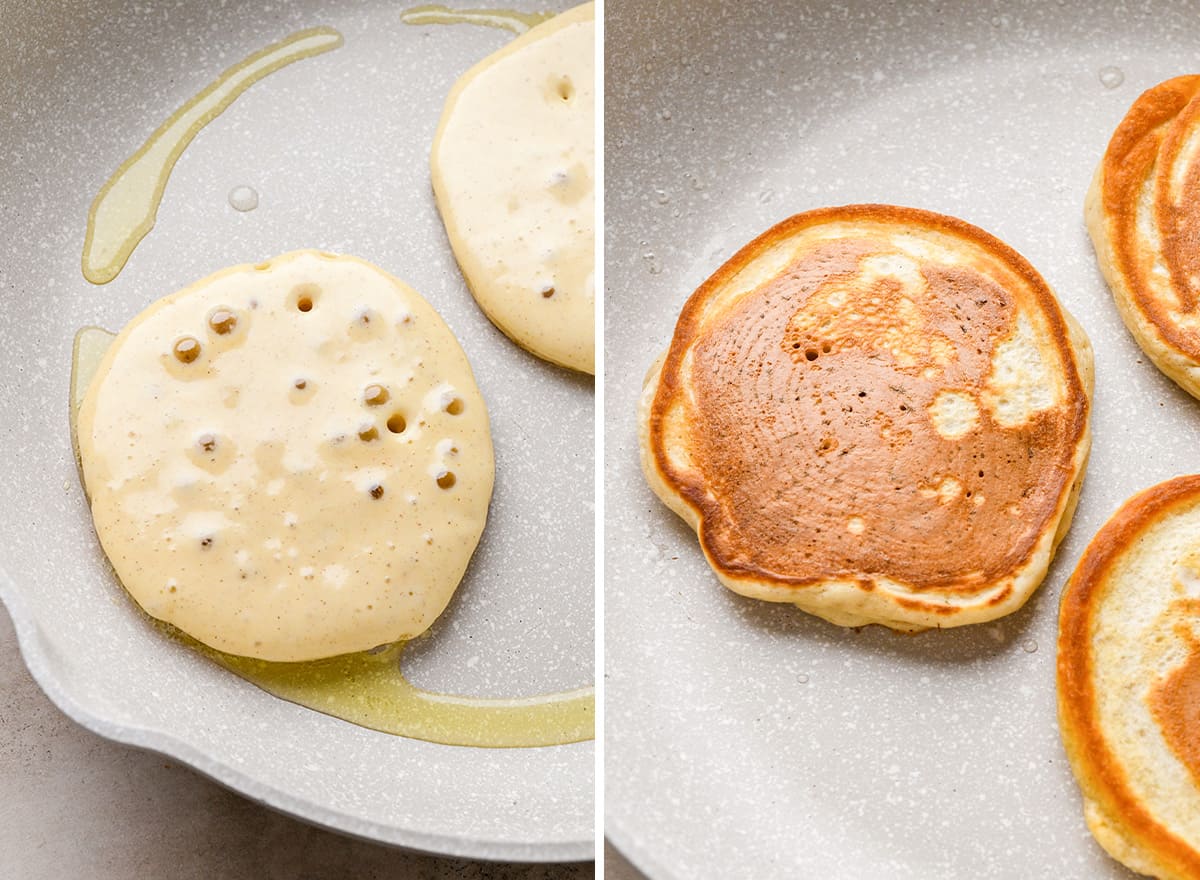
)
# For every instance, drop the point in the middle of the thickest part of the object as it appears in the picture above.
(288, 461)
(369, 687)
(513, 164)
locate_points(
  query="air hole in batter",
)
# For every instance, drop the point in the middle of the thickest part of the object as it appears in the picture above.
(306, 296)
(222, 321)
(396, 423)
(187, 350)
(446, 479)
(375, 395)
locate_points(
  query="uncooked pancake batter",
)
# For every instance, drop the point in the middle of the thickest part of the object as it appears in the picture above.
(290, 460)
(513, 164)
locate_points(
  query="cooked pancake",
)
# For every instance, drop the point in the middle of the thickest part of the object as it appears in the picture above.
(879, 414)
(290, 460)
(1143, 214)
(1129, 680)
(513, 166)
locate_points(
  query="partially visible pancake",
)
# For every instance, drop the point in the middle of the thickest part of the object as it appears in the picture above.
(879, 414)
(290, 460)
(1129, 680)
(1143, 214)
(513, 172)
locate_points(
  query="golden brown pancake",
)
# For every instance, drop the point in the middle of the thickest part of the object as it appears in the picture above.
(1143, 215)
(1129, 680)
(879, 414)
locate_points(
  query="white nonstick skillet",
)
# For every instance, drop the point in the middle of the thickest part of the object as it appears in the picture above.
(336, 149)
(746, 740)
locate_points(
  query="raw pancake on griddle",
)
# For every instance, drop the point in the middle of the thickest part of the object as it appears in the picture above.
(513, 173)
(288, 461)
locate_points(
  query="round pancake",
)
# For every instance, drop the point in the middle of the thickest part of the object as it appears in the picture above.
(513, 166)
(879, 414)
(1143, 215)
(289, 460)
(1129, 680)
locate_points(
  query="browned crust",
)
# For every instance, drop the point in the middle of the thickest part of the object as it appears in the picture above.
(1132, 153)
(1177, 236)
(1099, 771)
(910, 604)
(690, 321)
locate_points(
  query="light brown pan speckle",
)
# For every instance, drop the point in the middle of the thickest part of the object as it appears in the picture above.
(747, 740)
(337, 149)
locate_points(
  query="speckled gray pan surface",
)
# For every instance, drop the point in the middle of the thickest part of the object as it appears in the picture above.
(749, 740)
(336, 147)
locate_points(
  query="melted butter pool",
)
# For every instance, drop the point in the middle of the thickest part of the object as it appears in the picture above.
(504, 19)
(125, 209)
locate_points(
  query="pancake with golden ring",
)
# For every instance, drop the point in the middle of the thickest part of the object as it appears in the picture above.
(879, 414)
(1143, 215)
(1129, 681)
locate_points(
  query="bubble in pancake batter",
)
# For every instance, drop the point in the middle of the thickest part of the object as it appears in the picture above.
(186, 350)
(222, 321)
(243, 198)
(304, 296)
(375, 395)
